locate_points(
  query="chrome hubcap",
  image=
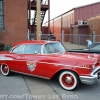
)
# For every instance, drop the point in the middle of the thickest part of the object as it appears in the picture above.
(5, 68)
(68, 80)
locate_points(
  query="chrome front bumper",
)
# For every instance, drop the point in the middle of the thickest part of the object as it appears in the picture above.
(92, 79)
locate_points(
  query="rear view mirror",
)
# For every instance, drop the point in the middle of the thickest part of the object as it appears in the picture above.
(35, 52)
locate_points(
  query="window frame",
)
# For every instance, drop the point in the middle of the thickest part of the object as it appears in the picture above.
(33, 44)
(2, 28)
(17, 47)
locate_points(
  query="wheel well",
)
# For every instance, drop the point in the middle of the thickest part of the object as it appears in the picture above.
(58, 73)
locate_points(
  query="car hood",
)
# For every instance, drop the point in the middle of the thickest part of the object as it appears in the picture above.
(70, 58)
(76, 59)
(81, 56)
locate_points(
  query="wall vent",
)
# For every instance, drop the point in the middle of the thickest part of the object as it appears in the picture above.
(80, 22)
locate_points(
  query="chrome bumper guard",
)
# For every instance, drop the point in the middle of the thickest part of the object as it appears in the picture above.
(92, 79)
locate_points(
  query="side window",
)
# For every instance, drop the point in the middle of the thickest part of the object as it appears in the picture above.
(19, 49)
(53, 48)
(32, 48)
(48, 49)
(45, 50)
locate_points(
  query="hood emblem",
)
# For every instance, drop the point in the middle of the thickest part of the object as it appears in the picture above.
(89, 57)
(95, 55)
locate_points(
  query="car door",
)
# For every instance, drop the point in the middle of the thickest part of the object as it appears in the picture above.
(32, 61)
(53, 51)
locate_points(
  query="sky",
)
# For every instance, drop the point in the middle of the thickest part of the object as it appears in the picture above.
(58, 7)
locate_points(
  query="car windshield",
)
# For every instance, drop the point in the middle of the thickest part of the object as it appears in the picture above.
(53, 48)
(94, 46)
(97, 48)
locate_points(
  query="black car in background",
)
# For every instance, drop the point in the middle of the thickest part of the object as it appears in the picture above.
(94, 48)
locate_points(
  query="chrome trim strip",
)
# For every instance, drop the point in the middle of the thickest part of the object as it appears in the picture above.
(56, 64)
(5, 58)
(30, 74)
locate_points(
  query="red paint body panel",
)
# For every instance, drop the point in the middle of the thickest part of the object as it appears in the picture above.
(47, 65)
(64, 61)
(40, 68)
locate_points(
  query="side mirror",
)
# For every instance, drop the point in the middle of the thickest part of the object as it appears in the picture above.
(35, 52)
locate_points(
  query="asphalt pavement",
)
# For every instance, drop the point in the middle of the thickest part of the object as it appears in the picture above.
(22, 87)
(14, 87)
(83, 92)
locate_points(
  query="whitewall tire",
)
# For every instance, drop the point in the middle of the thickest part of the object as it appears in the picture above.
(5, 70)
(68, 80)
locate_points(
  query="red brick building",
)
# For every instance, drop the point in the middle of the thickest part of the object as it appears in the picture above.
(15, 19)
(94, 27)
(94, 24)
(13, 25)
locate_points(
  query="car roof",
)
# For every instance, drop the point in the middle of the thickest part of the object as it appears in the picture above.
(32, 42)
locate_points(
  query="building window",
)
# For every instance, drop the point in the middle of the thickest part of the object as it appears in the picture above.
(1, 15)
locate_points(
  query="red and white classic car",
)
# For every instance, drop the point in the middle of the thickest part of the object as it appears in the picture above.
(47, 58)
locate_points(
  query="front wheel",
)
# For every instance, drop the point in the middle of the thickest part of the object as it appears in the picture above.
(5, 70)
(68, 80)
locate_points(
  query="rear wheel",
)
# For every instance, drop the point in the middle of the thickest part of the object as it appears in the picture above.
(68, 80)
(5, 70)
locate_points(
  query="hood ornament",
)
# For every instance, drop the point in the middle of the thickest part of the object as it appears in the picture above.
(95, 55)
(89, 57)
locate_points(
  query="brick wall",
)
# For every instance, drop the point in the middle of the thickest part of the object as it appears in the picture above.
(94, 27)
(94, 24)
(15, 21)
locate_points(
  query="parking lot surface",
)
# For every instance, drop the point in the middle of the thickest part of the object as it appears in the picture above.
(14, 87)
(22, 87)
(83, 92)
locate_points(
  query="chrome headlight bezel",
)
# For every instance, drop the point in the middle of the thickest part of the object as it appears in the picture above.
(93, 67)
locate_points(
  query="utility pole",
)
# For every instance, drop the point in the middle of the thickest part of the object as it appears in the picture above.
(29, 20)
(38, 32)
(49, 17)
